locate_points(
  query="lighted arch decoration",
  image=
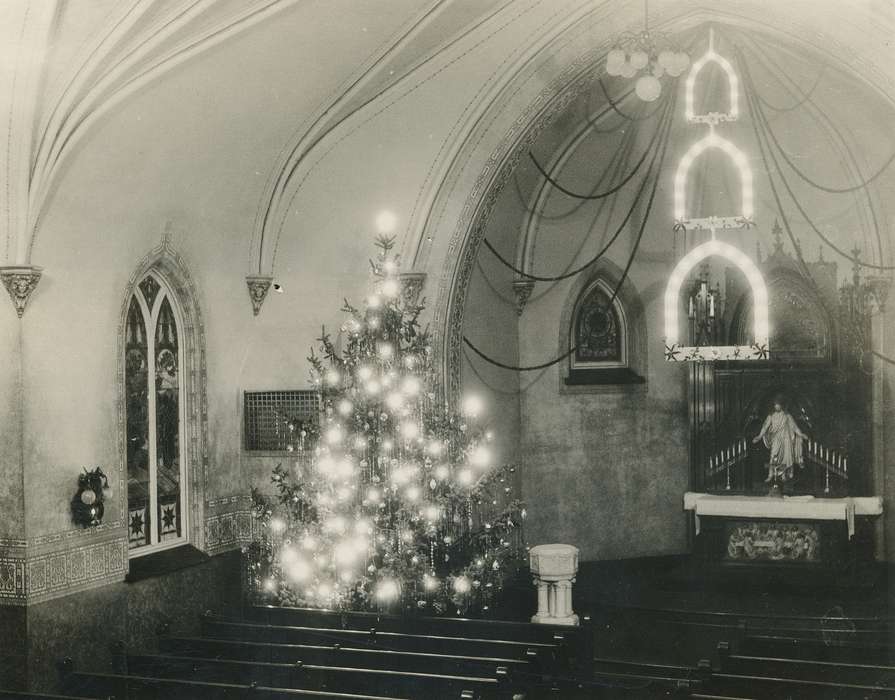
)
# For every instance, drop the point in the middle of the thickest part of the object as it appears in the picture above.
(733, 85)
(675, 351)
(712, 140)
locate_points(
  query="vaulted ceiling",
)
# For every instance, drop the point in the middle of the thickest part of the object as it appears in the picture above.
(70, 65)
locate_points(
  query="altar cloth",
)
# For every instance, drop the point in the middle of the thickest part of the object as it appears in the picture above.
(786, 508)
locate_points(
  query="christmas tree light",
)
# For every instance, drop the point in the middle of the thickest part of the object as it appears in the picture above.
(393, 502)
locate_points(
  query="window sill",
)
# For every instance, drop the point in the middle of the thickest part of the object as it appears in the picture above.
(164, 562)
(608, 376)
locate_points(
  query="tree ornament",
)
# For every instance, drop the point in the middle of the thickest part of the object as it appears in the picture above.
(375, 494)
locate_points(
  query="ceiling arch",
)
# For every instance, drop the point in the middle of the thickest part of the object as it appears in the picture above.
(485, 157)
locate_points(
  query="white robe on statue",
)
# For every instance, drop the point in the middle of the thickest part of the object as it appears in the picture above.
(783, 438)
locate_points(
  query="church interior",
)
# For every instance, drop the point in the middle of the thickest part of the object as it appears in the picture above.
(489, 349)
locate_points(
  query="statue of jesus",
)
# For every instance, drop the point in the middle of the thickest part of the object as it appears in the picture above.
(782, 436)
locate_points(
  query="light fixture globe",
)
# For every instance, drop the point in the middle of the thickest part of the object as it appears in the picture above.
(616, 57)
(627, 70)
(666, 59)
(648, 88)
(639, 59)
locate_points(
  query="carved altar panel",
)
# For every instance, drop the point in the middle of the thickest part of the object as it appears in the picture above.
(759, 540)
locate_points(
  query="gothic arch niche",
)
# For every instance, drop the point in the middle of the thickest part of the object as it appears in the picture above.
(800, 327)
(161, 324)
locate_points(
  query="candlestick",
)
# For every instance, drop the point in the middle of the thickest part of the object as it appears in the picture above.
(711, 306)
(691, 313)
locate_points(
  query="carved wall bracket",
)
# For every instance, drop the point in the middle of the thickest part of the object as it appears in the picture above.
(522, 291)
(259, 286)
(20, 281)
(412, 284)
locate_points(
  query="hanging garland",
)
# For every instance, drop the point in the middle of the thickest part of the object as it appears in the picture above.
(760, 119)
(615, 106)
(805, 98)
(639, 117)
(622, 279)
(612, 190)
(806, 271)
(517, 368)
(810, 181)
(601, 253)
(618, 159)
(832, 126)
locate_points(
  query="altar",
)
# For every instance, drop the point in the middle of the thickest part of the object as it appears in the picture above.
(739, 529)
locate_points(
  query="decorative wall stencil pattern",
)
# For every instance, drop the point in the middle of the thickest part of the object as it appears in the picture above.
(55, 574)
(12, 580)
(229, 524)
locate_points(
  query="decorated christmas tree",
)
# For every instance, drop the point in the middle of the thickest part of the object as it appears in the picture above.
(392, 502)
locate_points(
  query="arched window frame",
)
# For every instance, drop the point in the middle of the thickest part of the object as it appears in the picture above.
(165, 263)
(151, 319)
(599, 377)
(621, 317)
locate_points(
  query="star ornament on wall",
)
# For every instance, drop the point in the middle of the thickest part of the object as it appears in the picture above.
(136, 524)
(672, 353)
(169, 517)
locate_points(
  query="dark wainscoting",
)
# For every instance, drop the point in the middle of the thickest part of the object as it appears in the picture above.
(86, 626)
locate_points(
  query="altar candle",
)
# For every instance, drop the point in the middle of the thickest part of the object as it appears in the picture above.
(845, 465)
(691, 314)
(712, 306)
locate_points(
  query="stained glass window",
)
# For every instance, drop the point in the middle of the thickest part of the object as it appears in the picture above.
(155, 464)
(599, 330)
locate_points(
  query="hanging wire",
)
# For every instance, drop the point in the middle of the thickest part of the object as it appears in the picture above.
(622, 279)
(759, 118)
(602, 252)
(755, 39)
(611, 190)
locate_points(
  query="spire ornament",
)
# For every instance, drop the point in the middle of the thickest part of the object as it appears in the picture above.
(20, 281)
(258, 286)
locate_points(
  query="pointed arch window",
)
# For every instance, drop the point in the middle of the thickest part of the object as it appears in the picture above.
(154, 407)
(600, 333)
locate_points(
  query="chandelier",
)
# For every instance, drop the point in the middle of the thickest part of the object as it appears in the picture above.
(650, 54)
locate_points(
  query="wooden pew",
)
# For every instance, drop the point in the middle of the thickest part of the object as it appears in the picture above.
(220, 628)
(793, 689)
(132, 687)
(817, 649)
(571, 647)
(344, 655)
(337, 679)
(447, 626)
(22, 695)
(806, 669)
